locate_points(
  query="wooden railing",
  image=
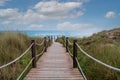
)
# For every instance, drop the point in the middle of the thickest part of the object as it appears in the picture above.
(46, 43)
(73, 54)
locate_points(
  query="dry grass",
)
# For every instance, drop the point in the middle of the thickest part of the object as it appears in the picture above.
(13, 45)
(103, 48)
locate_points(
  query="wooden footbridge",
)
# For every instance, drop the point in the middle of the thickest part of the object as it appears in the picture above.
(55, 64)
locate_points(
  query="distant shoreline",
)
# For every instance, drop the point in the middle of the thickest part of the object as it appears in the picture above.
(49, 32)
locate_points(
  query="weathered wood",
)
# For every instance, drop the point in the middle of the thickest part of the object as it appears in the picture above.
(49, 40)
(74, 53)
(55, 64)
(33, 49)
(66, 44)
(45, 44)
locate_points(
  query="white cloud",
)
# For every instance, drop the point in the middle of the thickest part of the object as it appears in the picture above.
(48, 10)
(82, 0)
(38, 27)
(3, 2)
(10, 16)
(44, 10)
(6, 22)
(30, 17)
(59, 10)
(14, 16)
(9, 13)
(56, 7)
(83, 29)
(71, 26)
(35, 27)
(110, 14)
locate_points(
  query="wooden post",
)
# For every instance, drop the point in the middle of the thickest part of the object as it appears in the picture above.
(51, 38)
(49, 41)
(66, 44)
(54, 38)
(33, 49)
(74, 54)
(45, 44)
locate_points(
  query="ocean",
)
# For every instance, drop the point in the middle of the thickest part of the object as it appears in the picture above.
(43, 33)
(53, 33)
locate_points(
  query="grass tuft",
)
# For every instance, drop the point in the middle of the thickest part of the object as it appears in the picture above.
(12, 45)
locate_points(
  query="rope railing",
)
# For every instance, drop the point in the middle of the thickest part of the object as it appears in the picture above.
(5, 65)
(41, 52)
(40, 44)
(45, 43)
(75, 60)
(74, 55)
(96, 60)
(80, 69)
(69, 42)
(70, 53)
(64, 41)
(33, 60)
(25, 69)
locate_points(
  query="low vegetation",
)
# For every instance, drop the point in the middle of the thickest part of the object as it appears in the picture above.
(104, 46)
(12, 45)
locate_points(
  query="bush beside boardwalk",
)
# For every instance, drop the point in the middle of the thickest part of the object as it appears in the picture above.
(12, 45)
(104, 46)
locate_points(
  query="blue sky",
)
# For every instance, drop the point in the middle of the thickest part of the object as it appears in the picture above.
(87, 16)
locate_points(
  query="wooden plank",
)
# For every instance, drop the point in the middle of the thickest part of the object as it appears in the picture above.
(55, 79)
(55, 64)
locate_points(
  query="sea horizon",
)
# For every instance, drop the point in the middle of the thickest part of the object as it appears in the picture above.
(42, 33)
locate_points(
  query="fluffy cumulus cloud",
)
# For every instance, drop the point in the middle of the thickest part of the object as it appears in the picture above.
(10, 16)
(10, 13)
(48, 10)
(30, 17)
(57, 10)
(3, 2)
(43, 11)
(110, 14)
(75, 26)
(86, 28)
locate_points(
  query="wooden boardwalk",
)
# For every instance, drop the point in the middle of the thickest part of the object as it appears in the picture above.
(55, 64)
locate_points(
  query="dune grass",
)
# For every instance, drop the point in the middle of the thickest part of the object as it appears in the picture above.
(102, 48)
(12, 45)
(105, 51)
